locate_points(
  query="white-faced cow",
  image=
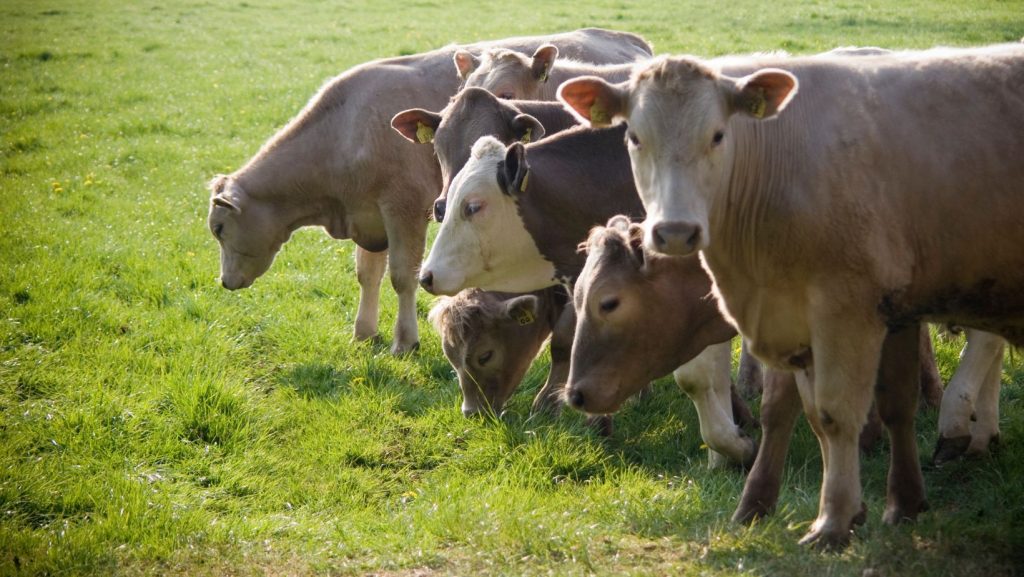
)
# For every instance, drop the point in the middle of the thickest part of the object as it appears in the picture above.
(332, 167)
(888, 191)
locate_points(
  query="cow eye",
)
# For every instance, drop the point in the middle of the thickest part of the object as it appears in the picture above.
(633, 139)
(218, 229)
(506, 96)
(609, 304)
(717, 138)
(472, 208)
(484, 358)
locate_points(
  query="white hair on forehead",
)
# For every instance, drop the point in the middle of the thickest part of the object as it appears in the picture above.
(488, 146)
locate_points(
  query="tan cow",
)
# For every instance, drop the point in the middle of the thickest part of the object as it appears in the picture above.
(512, 75)
(490, 339)
(332, 166)
(887, 192)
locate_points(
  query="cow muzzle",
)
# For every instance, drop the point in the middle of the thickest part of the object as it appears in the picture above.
(676, 238)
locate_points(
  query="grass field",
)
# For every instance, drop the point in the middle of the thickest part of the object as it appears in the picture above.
(154, 423)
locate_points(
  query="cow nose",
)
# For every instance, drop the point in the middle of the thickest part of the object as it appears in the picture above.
(676, 238)
(576, 398)
(439, 206)
(427, 281)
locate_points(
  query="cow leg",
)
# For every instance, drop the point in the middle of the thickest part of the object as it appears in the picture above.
(406, 237)
(780, 407)
(369, 271)
(549, 398)
(896, 393)
(981, 353)
(707, 382)
(931, 381)
(836, 392)
(749, 377)
(985, 425)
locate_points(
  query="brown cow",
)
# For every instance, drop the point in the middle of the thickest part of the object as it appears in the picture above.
(824, 218)
(330, 167)
(490, 338)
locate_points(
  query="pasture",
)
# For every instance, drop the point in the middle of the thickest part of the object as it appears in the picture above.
(152, 422)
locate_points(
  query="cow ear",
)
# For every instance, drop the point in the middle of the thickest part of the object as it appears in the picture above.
(218, 183)
(514, 170)
(594, 100)
(465, 63)
(224, 202)
(526, 128)
(416, 124)
(543, 60)
(764, 93)
(522, 309)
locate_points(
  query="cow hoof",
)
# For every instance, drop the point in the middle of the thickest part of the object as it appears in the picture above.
(982, 448)
(829, 541)
(950, 448)
(751, 510)
(546, 404)
(363, 335)
(399, 349)
(894, 514)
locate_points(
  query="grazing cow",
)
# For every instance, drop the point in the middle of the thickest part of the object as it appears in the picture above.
(472, 114)
(513, 75)
(825, 220)
(640, 317)
(490, 338)
(329, 167)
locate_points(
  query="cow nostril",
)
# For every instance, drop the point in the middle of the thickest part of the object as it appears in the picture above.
(576, 398)
(427, 281)
(694, 241)
(439, 206)
(659, 241)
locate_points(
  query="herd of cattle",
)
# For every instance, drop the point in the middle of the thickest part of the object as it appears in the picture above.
(639, 211)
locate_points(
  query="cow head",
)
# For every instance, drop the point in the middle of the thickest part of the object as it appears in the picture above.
(513, 76)
(483, 242)
(248, 233)
(490, 339)
(638, 317)
(678, 111)
(472, 114)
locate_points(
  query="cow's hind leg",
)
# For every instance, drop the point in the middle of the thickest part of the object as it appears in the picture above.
(985, 425)
(780, 407)
(836, 393)
(369, 271)
(899, 377)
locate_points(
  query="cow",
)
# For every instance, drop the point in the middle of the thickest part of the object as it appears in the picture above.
(969, 414)
(887, 192)
(512, 75)
(329, 167)
(490, 339)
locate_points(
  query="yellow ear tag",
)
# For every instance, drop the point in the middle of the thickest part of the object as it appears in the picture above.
(424, 133)
(526, 178)
(758, 105)
(598, 115)
(527, 136)
(525, 317)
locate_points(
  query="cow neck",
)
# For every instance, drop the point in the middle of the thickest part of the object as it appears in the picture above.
(552, 115)
(576, 180)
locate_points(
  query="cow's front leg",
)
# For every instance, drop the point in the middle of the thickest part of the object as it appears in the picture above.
(406, 239)
(750, 375)
(705, 379)
(896, 393)
(780, 407)
(837, 393)
(549, 398)
(369, 272)
(982, 355)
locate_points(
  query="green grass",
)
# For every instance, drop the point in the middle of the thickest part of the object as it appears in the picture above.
(153, 423)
